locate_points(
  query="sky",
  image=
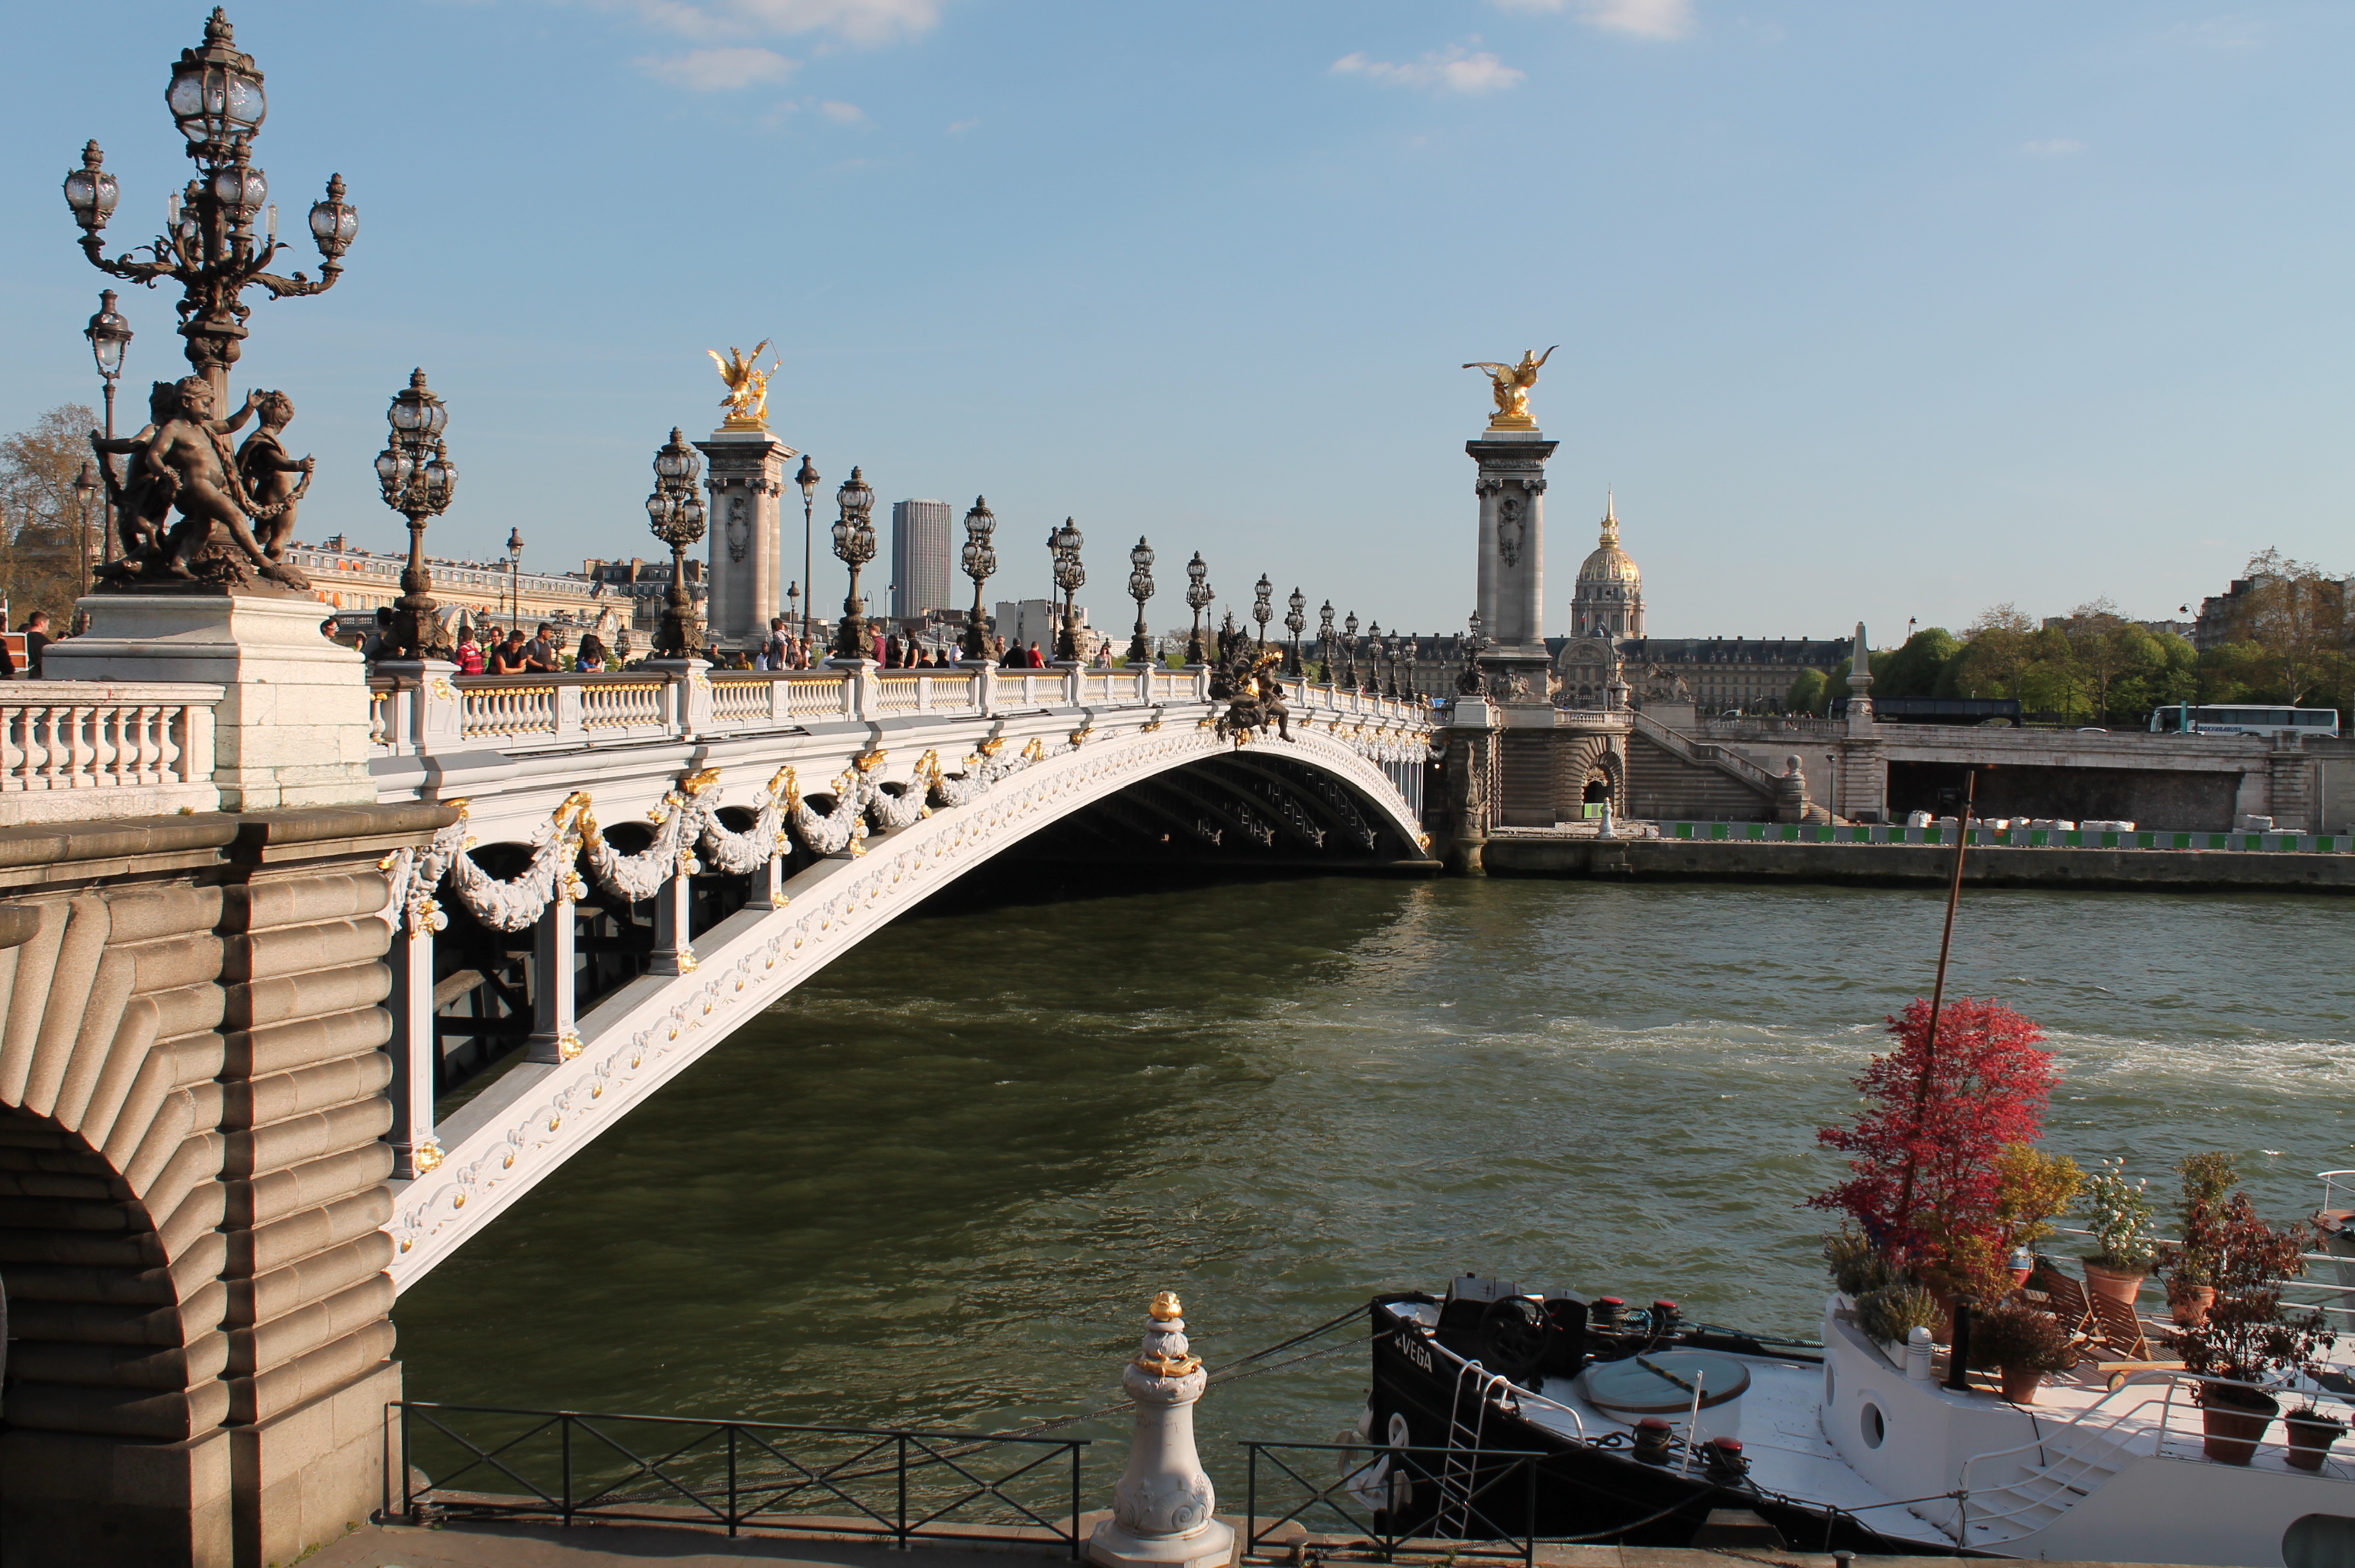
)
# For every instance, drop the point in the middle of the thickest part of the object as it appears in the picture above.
(1865, 312)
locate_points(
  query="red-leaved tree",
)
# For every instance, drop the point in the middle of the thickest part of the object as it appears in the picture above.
(1923, 1179)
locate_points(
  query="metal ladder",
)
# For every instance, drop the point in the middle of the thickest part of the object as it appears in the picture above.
(1462, 1463)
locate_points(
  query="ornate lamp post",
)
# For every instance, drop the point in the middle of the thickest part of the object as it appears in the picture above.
(854, 546)
(980, 564)
(1349, 652)
(212, 251)
(1324, 642)
(1390, 688)
(809, 482)
(1261, 610)
(1069, 574)
(1296, 620)
(1140, 587)
(1373, 658)
(1198, 597)
(109, 335)
(794, 604)
(1468, 683)
(676, 514)
(85, 483)
(515, 577)
(418, 479)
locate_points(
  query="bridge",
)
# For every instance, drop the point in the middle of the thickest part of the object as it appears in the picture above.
(224, 1033)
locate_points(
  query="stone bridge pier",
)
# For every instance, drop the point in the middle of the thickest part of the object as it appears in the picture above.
(192, 1183)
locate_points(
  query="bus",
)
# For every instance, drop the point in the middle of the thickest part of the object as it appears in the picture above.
(2244, 718)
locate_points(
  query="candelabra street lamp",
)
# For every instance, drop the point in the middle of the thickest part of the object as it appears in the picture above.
(1296, 621)
(1349, 652)
(1390, 687)
(1373, 658)
(794, 604)
(515, 577)
(1066, 542)
(809, 482)
(1469, 682)
(1140, 587)
(980, 564)
(211, 249)
(675, 514)
(109, 335)
(418, 479)
(854, 546)
(85, 484)
(1198, 597)
(1324, 643)
(1263, 610)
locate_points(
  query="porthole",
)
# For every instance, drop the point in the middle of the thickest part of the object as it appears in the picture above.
(2319, 1541)
(1875, 1429)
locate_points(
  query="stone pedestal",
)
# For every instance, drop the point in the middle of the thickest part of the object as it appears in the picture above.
(1163, 1507)
(1511, 490)
(292, 725)
(745, 471)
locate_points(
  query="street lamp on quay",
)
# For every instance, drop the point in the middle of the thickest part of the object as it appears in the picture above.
(1070, 575)
(211, 251)
(1140, 587)
(515, 577)
(675, 514)
(1324, 642)
(418, 479)
(809, 482)
(980, 563)
(109, 335)
(854, 546)
(1198, 597)
(1296, 620)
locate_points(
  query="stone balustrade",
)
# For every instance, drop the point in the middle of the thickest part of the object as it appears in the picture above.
(414, 712)
(80, 750)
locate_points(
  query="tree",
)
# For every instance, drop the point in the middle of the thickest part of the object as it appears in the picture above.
(1806, 693)
(1925, 1153)
(2296, 616)
(1913, 670)
(1996, 654)
(38, 511)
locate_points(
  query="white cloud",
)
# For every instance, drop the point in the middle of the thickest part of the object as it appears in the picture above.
(854, 21)
(719, 70)
(959, 127)
(1636, 18)
(2057, 147)
(843, 114)
(1451, 71)
(2228, 33)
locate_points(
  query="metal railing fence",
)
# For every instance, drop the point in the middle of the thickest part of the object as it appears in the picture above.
(490, 1461)
(1375, 1486)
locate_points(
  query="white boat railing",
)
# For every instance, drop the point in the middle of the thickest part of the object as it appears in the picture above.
(2144, 1383)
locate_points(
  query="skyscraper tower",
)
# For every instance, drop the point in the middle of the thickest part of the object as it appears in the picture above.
(920, 558)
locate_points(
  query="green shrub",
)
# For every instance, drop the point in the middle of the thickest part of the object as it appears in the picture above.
(1895, 1310)
(2019, 1339)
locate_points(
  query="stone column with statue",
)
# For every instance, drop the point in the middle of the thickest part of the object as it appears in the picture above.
(746, 469)
(1863, 754)
(1164, 1507)
(1512, 453)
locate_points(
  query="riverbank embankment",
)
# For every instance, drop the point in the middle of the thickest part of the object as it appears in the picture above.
(1540, 854)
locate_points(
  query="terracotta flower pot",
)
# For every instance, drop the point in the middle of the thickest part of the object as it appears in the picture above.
(2310, 1441)
(2020, 1383)
(2123, 1288)
(2189, 1304)
(2233, 1421)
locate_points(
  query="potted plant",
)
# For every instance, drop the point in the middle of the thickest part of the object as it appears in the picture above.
(1889, 1315)
(2247, 1335)
(2207, 1178)
(2312, 1430)
(1857, 1267)
(2022, 1345)
(2121, 1226)
(2033, 1189)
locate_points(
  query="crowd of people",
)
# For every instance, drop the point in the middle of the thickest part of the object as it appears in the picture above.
(485, 651)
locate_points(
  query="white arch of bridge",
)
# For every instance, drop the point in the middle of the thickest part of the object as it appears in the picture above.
(536, 1116)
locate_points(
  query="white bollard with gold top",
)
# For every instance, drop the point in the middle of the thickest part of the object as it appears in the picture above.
(1163, 1508)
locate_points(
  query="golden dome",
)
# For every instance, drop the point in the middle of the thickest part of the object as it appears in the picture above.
(1609, 563)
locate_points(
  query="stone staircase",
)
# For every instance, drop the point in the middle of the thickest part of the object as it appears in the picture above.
(1672, 775)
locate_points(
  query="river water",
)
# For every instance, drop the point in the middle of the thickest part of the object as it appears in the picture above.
(938, 1184)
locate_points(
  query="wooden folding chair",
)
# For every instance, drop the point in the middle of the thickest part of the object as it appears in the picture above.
(2063, 1297)
(2120, 1343)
